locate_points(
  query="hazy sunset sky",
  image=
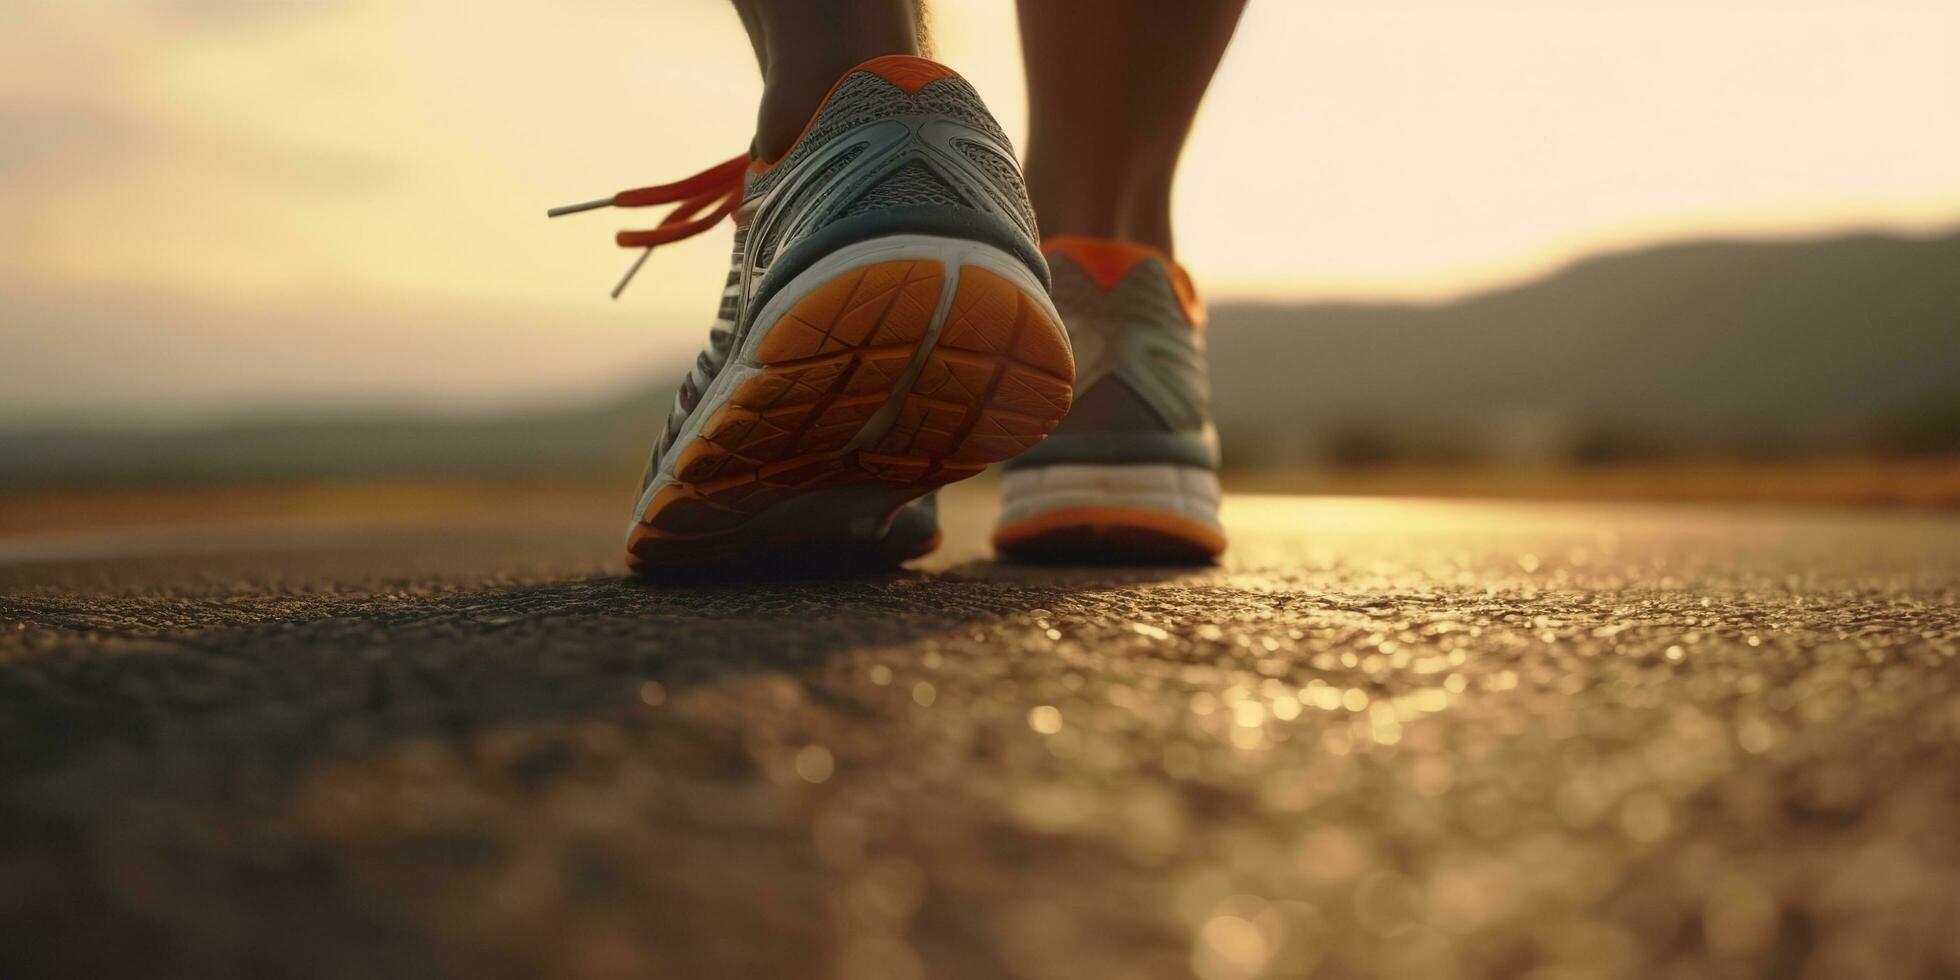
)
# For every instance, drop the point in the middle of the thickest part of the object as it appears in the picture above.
(221, 206)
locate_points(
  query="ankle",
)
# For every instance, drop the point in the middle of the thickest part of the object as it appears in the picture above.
(1100, 205)
(1152, 229)
(826, 46)
(1062, 217)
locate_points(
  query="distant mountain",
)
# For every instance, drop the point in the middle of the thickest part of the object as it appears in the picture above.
(1739, 348)
(607, 439)
(1722, 346)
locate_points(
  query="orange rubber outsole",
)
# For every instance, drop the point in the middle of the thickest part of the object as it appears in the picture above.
(1109, 535)
(996, 380)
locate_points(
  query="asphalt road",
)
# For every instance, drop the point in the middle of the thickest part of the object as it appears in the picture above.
(1386, 738)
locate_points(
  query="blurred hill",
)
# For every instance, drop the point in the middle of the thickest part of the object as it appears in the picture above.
(599, 440)
(1743, 349)
(1707, 349)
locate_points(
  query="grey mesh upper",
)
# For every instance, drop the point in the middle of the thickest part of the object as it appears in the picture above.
(1142, 394)
(873, 146)
(875, 161)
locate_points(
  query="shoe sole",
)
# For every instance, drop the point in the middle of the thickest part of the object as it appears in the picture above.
(888, 369)
(1111, 514)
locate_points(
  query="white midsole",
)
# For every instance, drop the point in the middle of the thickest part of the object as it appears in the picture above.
(1185, 491)
(952, 253)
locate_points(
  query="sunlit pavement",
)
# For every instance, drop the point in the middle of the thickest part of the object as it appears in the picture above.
(1421, 739)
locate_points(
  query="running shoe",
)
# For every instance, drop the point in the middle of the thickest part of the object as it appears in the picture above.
(885, 329)
(1132, 474)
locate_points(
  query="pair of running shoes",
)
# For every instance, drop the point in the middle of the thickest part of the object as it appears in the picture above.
(892, 322)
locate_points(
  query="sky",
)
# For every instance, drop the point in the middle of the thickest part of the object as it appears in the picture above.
(226, 208)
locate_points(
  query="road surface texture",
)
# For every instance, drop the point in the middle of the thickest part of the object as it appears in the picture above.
(1386, 738)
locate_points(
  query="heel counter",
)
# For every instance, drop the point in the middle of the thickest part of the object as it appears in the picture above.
(953, 154)
(1109, 262)
(1130, 324)
(1111, 404)
(908, 148)
(897, 131)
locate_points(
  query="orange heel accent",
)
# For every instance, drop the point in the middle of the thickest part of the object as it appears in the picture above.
(908, 72)
(1108, 260)
(998, 380)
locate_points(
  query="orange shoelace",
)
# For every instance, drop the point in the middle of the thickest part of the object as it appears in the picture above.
(720, 186)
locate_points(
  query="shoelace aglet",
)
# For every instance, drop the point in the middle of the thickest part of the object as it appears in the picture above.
(631, 270)
(722, 182)
(564, 209)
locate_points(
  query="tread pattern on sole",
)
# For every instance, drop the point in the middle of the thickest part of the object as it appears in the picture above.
(998, 379)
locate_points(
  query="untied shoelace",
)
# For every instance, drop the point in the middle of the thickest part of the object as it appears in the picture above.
(718, 188)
